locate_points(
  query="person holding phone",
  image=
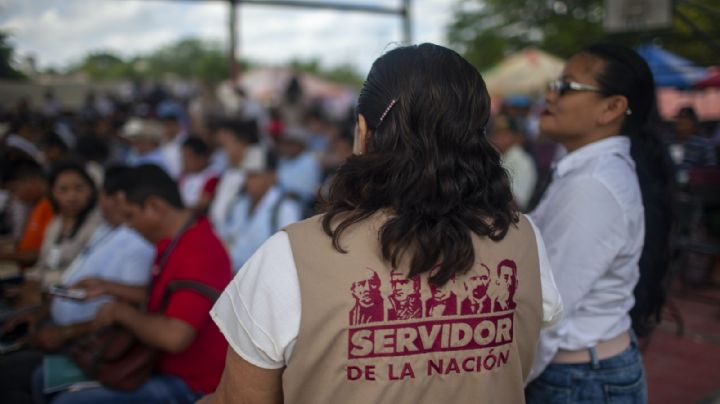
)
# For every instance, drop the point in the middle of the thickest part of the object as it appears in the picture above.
(191, 350)
(74, 198)
(115, 253)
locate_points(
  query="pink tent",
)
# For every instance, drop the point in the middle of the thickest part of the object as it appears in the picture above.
(711, 80)
(706, 102)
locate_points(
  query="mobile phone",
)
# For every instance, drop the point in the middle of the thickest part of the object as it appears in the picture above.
(67, 293)
(7, 347)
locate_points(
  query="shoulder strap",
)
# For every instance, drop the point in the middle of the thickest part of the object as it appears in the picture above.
(209, 292)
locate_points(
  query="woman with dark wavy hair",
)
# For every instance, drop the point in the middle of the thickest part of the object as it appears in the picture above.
(73, 196)
(335, 308)
(606, 219)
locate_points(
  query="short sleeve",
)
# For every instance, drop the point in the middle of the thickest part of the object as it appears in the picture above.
(191, 306)
(135, 268)
(40, 217)
(259, 312)
(551, 299)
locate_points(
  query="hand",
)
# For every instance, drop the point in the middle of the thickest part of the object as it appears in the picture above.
(50, 338)
(105, 316)
(31, 319)
(94, 287)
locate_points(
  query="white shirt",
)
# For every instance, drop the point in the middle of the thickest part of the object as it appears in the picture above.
(259, 312)
(591, 218)
(523, 174)
(226, 193)
(245, 231)
(300, 175)
(154, 157)
(116, 254)
(219, 161)
(172, 153)
(191, 185)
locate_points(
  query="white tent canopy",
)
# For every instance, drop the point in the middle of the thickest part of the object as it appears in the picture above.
(526, 72)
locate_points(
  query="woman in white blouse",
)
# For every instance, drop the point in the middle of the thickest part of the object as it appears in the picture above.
(593, 222)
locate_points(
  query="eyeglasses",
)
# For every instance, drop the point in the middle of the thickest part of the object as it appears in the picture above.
(562, 86)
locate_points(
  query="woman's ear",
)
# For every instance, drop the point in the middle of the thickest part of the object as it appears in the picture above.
(615, 108)
(362, 134)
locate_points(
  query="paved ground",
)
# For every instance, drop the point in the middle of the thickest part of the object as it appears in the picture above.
(686, 369)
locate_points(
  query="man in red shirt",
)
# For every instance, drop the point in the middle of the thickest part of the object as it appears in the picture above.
(192, 348)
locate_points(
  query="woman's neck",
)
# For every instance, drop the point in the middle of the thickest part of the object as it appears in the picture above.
(601, 133)
(67, 223)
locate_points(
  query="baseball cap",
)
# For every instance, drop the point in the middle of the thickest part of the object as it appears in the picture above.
(137, 129)
(259, 159)
(295, 134)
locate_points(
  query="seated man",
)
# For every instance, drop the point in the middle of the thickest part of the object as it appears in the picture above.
(235, 137)
(198, 179)
(262, 208)
(192, 349)
(114, 253)
(688, 148)
(298, 170)
(508, 138)
(145, 137)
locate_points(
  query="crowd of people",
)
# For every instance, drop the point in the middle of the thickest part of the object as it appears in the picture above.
(191, 224)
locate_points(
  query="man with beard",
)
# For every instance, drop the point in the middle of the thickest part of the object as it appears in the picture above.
(368, 302)
(405, 300)
(504, 286)
(443, 301)
(476, 287)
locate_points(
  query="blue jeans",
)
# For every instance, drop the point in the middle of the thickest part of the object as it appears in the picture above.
(616, 380)
(166, 389)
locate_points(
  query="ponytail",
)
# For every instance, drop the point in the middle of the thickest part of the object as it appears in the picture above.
(627, 74)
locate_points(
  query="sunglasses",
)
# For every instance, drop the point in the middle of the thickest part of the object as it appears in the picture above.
(562, 87)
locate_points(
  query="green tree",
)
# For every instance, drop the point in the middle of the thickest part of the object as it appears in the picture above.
(345, 74)
(104, 66)
(7, 53)
(487, 30)
(189, 58)
(701, 47)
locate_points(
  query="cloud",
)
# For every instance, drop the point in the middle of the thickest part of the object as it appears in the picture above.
(60, 32)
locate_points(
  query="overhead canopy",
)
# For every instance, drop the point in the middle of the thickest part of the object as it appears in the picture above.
(669, 69)
(525, 72)
(267, 85)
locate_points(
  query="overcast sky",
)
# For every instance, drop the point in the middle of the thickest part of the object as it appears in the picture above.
(58, 32)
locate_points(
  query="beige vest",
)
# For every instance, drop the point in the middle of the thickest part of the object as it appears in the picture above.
(369, 335)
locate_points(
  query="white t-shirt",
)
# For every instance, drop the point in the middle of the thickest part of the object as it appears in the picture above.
(226, 194)
(245, 231)
(523, 174)
(259, 311)
(172, 153)
(192, 185)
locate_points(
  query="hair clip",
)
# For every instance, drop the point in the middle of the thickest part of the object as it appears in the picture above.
(628, 112)
(384, 114)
